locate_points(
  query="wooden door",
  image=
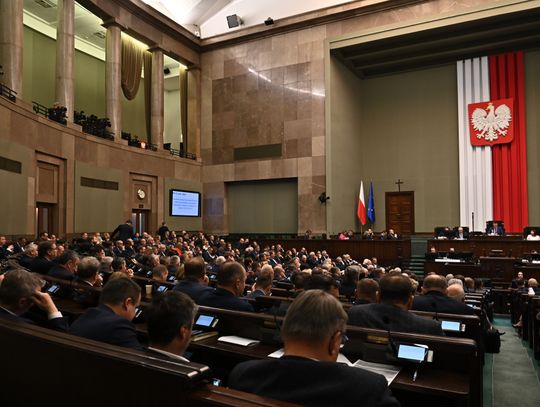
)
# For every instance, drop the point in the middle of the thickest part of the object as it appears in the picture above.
(139, 219)
(46, 218)
(400, 212)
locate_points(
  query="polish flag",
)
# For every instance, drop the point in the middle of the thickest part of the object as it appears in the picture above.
(361, 205)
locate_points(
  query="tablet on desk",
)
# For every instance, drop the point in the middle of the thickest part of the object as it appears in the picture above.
(414, 353)
(206, 321)
(453, 326)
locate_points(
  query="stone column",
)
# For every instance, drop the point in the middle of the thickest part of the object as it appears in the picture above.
(157, 120)
(194, 111)
(113, 77)
(65, 54)
(11, 44)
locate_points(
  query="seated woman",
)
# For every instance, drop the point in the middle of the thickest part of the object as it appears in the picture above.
(532, 235)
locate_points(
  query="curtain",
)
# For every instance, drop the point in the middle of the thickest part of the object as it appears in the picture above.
(148, 94)
(475, 171)
(510, 189)
(132, 60)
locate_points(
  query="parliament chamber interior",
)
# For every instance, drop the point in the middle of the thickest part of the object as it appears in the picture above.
(202, 202)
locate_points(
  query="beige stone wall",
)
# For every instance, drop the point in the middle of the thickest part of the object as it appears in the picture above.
(17, 189)
(23, 134)
(273, 90)
(265, 92)
(97, 209)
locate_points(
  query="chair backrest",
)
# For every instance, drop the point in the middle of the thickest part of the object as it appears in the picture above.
(59, 365)
(438, 229)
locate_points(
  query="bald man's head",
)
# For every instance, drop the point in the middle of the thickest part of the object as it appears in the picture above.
(455, 291)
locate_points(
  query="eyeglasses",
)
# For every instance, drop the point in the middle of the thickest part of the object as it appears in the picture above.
(344, 338)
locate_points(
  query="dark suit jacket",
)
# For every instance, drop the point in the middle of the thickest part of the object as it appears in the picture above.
(41, 265)
(388, 317)
(256, 293)
(221, 298)
(58, 324)
(312, 383)
(102, 324)
(192, 288)
(499, 232)
(435, 301)
(60, 272)
(122, 232)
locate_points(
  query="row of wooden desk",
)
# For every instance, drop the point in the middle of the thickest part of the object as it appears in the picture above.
(390, 252)
(498, 269)
(527, 308)
(454, 378)
(481, 247)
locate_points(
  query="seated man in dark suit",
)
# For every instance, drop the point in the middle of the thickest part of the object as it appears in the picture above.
(44, 260)
(263, 285)
(461, 234)
(169, 320)
(495, 230)
(110, 322)
(87, 275)
(66, 265)
(395, 298)
(366, 292)
(308, 373)
(435, 298)
(19, 291)
(195, 282)
(231, 281)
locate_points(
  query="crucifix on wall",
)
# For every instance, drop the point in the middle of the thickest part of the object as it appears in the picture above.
(399, 182)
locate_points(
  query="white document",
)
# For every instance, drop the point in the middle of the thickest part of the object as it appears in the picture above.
(388, 371)
(279, 353)
(238, 340)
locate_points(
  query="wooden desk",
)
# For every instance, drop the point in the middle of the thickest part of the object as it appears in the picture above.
(455, 376)
(498, 269)
(511, 247)
(388, 252)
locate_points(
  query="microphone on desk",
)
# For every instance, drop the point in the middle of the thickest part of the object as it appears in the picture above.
(386, 321)
(434, 305)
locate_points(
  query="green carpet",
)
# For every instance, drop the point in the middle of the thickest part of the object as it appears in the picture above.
(510, 377)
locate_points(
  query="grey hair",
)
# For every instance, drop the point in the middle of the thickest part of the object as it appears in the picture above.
(30, 247)
(18, 284)
(88, 267)
(455, 281)
(314, 315)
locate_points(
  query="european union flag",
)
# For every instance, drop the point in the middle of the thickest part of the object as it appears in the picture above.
(371, 205)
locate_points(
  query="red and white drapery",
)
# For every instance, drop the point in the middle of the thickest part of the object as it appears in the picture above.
(493, 180)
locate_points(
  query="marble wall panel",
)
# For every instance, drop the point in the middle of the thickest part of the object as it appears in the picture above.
(276, 87)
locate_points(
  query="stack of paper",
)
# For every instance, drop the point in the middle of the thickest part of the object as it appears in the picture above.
(238, 340)
(388, 371)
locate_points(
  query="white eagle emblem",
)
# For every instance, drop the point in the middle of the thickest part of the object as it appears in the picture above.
(493, 123)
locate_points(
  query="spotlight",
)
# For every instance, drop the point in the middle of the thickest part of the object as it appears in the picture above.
(234, 21)
(166, 71)
(269, 21)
